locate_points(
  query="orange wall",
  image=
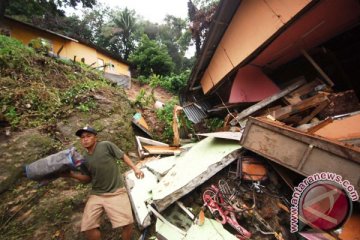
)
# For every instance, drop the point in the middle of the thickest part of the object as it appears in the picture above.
(119, 67)
(254, 22)
(26, 33)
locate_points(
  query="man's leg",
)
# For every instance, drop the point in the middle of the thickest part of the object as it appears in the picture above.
(91, 218)
(127, 232)
(93, 234)
(118, 209)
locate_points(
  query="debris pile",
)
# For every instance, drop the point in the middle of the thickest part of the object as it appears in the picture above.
(238, 190)
(242, 191)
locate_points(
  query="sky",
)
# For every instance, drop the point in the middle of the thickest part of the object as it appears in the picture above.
(152, 10)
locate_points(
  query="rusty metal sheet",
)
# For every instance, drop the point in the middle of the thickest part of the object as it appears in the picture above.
(301, 152)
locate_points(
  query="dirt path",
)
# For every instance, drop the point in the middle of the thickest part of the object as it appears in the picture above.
(160, 94)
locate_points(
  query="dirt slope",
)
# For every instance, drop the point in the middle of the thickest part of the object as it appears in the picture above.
(42, 102)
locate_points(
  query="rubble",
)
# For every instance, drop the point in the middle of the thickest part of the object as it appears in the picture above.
(140, 122)
(147, 147)
(206, 158)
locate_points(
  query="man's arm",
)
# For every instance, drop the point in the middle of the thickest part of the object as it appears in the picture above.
(138, 172)
(78, 176)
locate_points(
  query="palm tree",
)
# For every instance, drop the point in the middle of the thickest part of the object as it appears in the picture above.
(123, 29)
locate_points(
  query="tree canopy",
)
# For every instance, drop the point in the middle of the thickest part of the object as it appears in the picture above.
(151, 57)
(32, 8)
(152, 48)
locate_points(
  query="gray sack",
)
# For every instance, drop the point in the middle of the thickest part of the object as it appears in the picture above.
(55, 163)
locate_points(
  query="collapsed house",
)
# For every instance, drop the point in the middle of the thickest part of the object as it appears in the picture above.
(283, 76)
(201, 171)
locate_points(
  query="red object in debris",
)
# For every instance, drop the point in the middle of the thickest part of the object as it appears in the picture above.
(253, 169)
(222, 211)
(251, 85)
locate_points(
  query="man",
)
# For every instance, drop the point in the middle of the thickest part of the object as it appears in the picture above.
(108, 192)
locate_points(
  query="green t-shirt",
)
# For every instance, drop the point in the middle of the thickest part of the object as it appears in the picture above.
(103, 169)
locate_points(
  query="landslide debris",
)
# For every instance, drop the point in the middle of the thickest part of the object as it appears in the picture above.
(43, 101)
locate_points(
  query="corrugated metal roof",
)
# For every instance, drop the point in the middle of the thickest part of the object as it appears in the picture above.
(195, 112)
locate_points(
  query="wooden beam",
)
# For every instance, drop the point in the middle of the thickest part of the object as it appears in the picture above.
(318, 68)
(319, 126)
(314, 113)
(161, 150)
(247, 112)
(295, 96)
(175, 125)
(285, 112)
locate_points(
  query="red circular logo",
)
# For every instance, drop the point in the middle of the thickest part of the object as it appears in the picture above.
(325, 205)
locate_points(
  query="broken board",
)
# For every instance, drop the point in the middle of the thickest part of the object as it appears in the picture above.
(193, 168)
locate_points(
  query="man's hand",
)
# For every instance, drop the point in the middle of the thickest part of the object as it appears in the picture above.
(138, 173)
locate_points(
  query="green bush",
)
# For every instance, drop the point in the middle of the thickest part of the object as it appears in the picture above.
(172, 83)
(175, 82)
(165, 115)
(13, 54)
(40, 45)
(36, 89)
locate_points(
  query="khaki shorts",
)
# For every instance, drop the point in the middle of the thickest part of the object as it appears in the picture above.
(116, 205)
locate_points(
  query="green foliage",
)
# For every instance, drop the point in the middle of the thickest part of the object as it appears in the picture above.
(123, 28)
(32, 8)
(86, 106)
(165, 115)
(13, 54)
(78, 89)
(144, 98)
(143, 80)
(40, 45)
(175, 82)
(214, 124)
(155, 80)
(36, 89)
(172, 83)
(12, 116)
(151, 57)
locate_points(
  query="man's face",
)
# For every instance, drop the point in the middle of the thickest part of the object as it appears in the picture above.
(87, 139)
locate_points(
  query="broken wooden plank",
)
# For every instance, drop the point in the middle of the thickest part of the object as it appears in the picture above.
(285, 112)
(247, 112)
(295, 96)
(141, 140)
(318, 68)
(175, 125)
(140, 122)
(313, 113)
(149, 141)
(319, 126)
(162, 149)
(193, 168)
